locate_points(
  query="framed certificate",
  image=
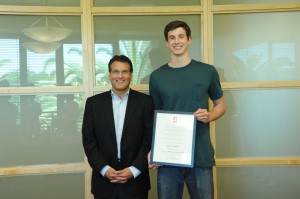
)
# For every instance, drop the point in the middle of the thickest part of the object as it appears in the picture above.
(173, 140)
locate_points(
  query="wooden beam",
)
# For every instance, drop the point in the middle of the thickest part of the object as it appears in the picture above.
(254, 8)
(42, 169)
(257, 161)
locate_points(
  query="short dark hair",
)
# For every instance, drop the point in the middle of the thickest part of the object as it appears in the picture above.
(177, 24)
(120, 58)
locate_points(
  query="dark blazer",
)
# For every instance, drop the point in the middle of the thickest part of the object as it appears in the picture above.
(100, 145)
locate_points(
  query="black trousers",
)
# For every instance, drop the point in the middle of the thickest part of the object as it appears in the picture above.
(118, 195)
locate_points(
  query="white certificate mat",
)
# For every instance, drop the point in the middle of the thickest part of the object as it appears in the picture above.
(173, 140)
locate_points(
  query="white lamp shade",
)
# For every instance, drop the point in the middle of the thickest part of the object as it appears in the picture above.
(41, 47)
(47, 34)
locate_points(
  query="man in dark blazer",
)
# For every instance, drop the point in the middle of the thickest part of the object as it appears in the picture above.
(117, 133)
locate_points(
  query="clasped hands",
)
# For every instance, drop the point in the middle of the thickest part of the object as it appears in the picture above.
(121, 176)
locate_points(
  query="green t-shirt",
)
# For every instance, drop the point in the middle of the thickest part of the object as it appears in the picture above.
(187, 89)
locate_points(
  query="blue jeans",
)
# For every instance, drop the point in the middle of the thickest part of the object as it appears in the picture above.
(199, 181)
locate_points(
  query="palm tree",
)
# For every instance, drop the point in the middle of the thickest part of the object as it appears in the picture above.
(73, 70)
(12, 76)
(101, 64)
(138, 51)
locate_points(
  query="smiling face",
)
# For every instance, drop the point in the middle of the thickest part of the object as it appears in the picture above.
(120, 77)
(178, 42)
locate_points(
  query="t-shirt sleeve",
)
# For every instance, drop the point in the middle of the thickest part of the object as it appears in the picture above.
(154, 93)
(215, 91)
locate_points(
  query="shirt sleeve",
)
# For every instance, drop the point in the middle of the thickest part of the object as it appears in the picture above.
(154, 93)
(103, 171)
(135, 172)
(215, 91)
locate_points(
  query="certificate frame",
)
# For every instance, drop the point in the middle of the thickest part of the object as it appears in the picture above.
(174, 148)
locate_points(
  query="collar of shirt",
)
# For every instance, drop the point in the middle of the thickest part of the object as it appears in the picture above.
(115, 97)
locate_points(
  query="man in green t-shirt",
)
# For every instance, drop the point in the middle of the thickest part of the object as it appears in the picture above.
(186, 85)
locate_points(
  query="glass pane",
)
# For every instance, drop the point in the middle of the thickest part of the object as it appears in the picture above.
(257, 47)
(41, 2)
(258, 182)
(259, 123)
(222, 2)
(118, 3)
(58, 186)
(28, 59)
(41, 129)
(142, 42)
(9, 61)
(103, 53)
